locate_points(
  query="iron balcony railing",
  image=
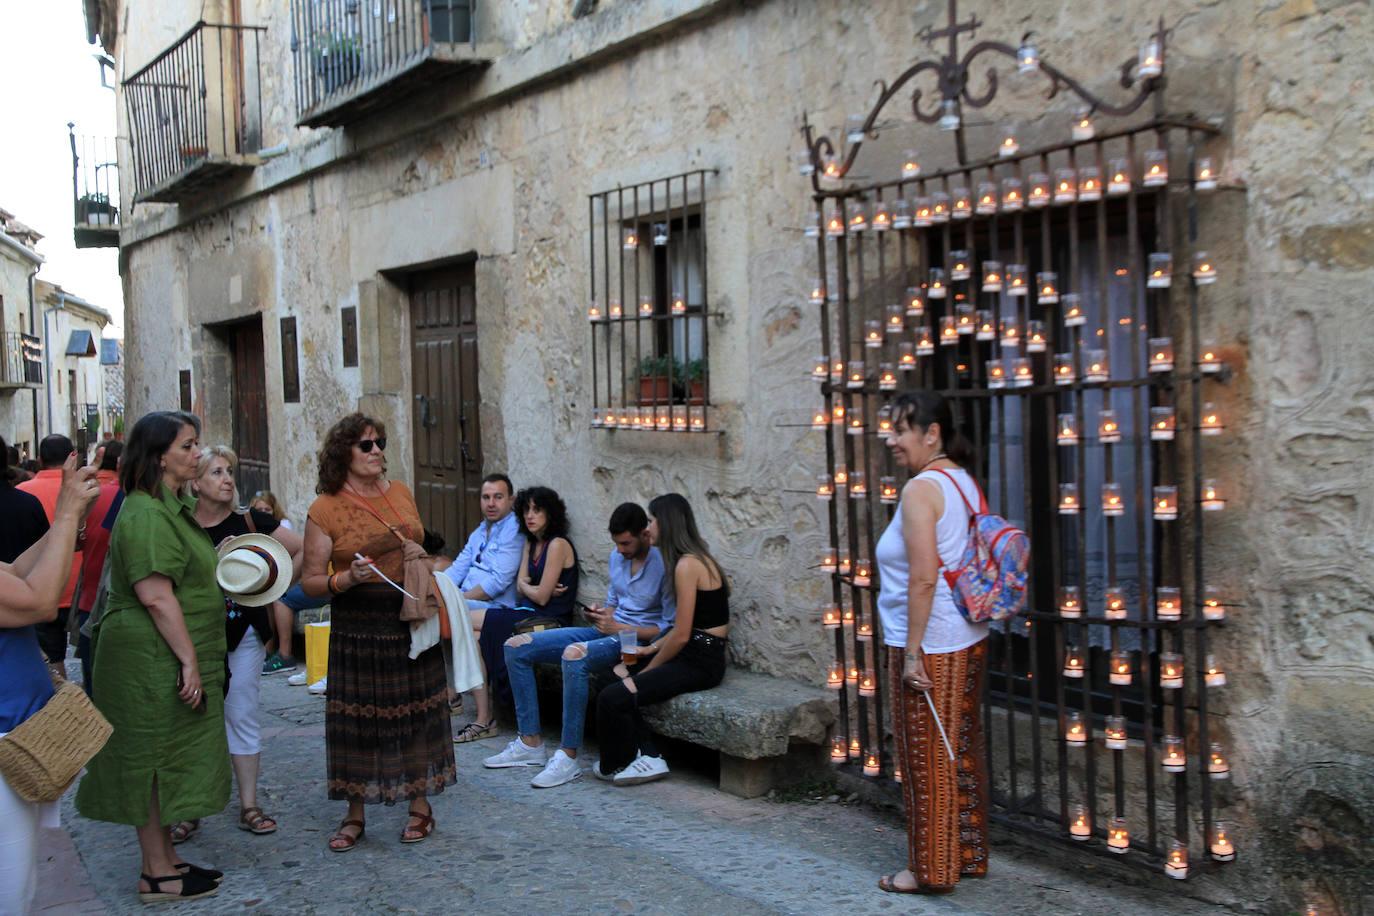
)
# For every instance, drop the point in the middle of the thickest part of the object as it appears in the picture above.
(196, 109)
(21, 360)
(343, 47)
(95, 189)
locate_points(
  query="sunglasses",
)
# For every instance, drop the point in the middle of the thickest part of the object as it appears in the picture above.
(365, 445)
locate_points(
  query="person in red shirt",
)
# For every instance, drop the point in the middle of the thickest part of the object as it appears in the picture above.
(99, 523)
(52, 451)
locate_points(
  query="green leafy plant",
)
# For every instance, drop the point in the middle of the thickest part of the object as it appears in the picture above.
(694, 370)
(658, 367)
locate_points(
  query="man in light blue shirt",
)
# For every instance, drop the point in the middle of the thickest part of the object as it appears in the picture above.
(485, 571)
(639, 600)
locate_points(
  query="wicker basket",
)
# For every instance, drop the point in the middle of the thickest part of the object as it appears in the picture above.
(44, 755)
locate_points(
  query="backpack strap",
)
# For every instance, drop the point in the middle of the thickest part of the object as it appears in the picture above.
(982, 500)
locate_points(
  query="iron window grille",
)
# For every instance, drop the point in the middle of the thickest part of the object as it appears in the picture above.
(650, 305)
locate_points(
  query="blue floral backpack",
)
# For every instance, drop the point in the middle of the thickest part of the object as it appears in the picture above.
(989, 581)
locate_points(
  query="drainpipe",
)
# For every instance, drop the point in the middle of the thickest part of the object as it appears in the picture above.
(47, 351)
(33, 392)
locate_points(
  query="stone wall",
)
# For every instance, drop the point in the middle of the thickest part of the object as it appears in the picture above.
(505, 176)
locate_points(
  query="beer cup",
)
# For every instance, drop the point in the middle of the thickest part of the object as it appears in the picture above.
(629, 647)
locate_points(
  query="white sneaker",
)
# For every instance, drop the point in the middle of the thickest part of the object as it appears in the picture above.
(643, 769)
(299, 679)
(561, 769)
(320, 687)
(517, 754)
(596, 771)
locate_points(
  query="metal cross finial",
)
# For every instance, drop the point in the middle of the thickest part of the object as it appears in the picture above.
(952, 31)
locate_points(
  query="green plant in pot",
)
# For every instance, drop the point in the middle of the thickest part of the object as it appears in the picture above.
(338, 58)
(95, 208)
(693, 376)
(654, 385)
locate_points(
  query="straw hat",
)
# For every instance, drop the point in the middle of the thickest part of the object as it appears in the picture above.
(254, 569)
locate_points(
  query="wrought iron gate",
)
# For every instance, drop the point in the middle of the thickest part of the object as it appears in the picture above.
(1056, 295)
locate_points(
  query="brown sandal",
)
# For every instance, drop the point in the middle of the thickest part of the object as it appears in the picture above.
(183, 831)
(252, 820)
(348, 841)
(475, 731)
(889, 883)
(425, 828)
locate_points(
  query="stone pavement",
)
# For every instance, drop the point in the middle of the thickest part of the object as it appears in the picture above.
(677, 846)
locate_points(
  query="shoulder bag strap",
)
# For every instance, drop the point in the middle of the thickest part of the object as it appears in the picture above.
(374, 513)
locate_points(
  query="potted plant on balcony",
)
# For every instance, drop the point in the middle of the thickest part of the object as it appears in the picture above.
(654, 387)
(95, 209)
(338, 58)
(693, 379)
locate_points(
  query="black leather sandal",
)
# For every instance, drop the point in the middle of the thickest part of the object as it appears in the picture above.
(192, 886)
(214, 874)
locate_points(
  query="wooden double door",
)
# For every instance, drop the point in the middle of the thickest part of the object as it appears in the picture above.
(249, 414)
(445, 405)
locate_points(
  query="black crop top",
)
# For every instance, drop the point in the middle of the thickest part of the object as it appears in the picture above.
(712, 610)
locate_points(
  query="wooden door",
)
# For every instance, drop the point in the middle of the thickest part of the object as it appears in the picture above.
(249, 402)
(445, 416)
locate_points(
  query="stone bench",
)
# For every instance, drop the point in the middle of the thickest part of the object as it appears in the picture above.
(767, 730)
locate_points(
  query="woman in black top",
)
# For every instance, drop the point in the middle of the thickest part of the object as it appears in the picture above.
(547, 585)
(248, 630)
(689, 657)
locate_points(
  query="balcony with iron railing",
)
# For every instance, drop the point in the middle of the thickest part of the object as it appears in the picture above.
(21, 361)
(195, 112)
(356, 56)
(95, 191)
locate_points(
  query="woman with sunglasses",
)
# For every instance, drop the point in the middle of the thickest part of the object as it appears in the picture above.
(387, 734)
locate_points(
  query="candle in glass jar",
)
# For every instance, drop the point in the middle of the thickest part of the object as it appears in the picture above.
(594, 313)
(888, 491)
(1165, 502)
(1175, 757)
(1213, 608)
(1176, 865)
(857, 215)
(1047, 287)
(949, 330)
(1013, 198)
(1095, 366)
(885, 421)
(873, 333)
(663, 419)
(959, 265)
(828, 561)
(1118, 177)
(696, 418)
(863, 575)
(1067, 429)
(820, 368)
(1163, 423)
(646, 306)
(855, 749)
(914, 302)
(1115, 731)
(1039, 194)
(992, 276)
(1089, 183)
(1204, 269)
(825, 487)
(939, 207)
(962, 205)
(847, 619)
(1108, 429)
(882, 217)
(1209, 358)
(1008, 146)
(855, 427)
(987, 198)
(897, 773)
(1065, 186)
(820, 419)
(986, 327)
(1017, 281)
(830, 619)
(838, 754)
(1212, 500)
(1171, 671)
(1010, 331)
(837, 413)
(614, 310)
(1156, 171)
(1113, 504)
(1079, 826)
(1168, 605)
(965, 317)
(865, 631)
(1118, 836)
(1161, 351)
(901, 214)
(867, 684)
(1068, 499)
(921, 213)
(1070, 601)
(1075, 732)
(887, 377)
(1205, 174)
(834, 223)
(1073, 310)
(1214, 675)
(1210, 420)
(911, 164)
(1160, 270)
(1073, 667)
(679, 305)
(935, 286)
(1218, 767)
(871, 766)
(1022, 373)
(858, 485)
(1063, 369)
(1114, 603)
(1221, 847)
(855, 373)
(1083, 124)
(630, 240)
(1037, 339)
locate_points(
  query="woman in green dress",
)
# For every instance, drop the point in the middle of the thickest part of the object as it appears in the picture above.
(161, 645)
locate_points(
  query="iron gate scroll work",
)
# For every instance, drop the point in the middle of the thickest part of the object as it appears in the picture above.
(962, 280)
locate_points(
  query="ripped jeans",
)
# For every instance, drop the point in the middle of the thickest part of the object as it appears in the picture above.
(553, 645)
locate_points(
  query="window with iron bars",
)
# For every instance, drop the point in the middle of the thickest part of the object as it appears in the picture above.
(1054, 298)
(649, 305)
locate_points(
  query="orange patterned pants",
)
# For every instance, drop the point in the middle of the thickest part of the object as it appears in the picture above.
(946, 801)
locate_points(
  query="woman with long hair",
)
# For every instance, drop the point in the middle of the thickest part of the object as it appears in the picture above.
(159, 649)
(547, 585)
(689, 657)
(933, 650)
(248, 630)
(386, 726)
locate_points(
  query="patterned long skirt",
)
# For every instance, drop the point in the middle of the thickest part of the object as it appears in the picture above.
(946, 800)
(386, 721)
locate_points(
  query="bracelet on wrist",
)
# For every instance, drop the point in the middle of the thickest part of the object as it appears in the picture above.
(331, 584)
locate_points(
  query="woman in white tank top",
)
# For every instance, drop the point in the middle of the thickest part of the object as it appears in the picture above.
(936, 657)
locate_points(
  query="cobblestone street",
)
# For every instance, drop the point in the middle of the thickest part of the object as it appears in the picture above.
(678, 846)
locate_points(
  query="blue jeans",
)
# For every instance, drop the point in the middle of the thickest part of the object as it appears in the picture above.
(297, 600)
(602, 654)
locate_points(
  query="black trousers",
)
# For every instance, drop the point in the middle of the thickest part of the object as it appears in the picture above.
(699, 666)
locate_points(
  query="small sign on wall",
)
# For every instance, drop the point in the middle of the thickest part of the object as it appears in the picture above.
(290, 364)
